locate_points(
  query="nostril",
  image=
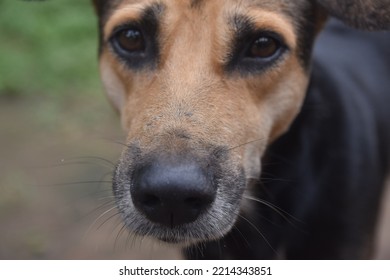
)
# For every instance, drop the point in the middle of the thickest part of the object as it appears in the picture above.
(194, 203)
(150, 201)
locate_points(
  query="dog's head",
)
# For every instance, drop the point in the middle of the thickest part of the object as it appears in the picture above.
(202, 87)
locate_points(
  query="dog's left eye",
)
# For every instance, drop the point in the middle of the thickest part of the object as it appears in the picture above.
(255, 52)
(264, 47)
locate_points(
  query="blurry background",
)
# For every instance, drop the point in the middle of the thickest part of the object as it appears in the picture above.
(59, 139)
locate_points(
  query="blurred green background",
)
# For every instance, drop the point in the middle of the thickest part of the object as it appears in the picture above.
(55, 124)
(57, 136)
(47, 47)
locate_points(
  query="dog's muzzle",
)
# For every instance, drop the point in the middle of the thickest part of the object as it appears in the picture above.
(172, 192)
(183, 196)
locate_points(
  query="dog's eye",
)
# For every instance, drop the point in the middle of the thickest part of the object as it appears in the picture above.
(256, 51)
(135, 43)
(264, 47)
(131, 40)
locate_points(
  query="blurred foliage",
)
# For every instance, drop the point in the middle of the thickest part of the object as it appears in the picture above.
(48, 47)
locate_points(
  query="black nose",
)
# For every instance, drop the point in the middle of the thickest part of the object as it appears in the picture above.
(172, 194)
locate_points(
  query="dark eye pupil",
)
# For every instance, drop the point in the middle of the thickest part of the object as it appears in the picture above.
(131, 40)
(264, 47)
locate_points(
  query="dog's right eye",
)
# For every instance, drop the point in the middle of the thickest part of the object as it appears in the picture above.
(130, 40)
(135, 43)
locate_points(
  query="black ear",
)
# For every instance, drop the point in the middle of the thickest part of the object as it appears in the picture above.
(99, 5)
(362, 14)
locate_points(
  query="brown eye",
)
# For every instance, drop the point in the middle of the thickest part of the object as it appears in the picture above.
(264, 47)
(131, 40)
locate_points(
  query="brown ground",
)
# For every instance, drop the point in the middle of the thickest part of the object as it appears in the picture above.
(39, 220)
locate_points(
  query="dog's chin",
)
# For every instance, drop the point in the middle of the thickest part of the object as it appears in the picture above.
(174, 238)
(179, 236)
(179, 242)
(183, 241)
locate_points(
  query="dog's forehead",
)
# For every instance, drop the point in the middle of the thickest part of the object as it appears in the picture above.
(272, 5)
(289, 8)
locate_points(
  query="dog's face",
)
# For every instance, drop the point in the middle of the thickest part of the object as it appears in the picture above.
(202, 88)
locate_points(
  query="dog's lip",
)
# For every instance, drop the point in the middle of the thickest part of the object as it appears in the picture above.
(176, 238)
(171, 240)
(181, 241)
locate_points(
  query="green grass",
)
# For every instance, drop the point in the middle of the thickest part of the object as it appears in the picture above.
(48, 47)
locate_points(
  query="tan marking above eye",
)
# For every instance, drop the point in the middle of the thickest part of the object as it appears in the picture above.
(277, 23)
(121, 16)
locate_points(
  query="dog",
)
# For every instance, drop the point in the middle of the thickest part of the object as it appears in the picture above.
(243, 140)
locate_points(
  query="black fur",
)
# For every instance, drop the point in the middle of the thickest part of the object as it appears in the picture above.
(329, 170)
(363, 14)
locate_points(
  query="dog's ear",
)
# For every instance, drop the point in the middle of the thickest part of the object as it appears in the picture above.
(362, 14)
(99, 6)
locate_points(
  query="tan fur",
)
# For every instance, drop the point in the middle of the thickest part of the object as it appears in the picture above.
(115, 89)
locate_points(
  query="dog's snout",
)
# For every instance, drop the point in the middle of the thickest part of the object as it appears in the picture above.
(172, 194)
